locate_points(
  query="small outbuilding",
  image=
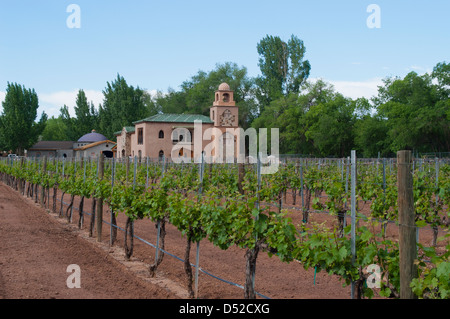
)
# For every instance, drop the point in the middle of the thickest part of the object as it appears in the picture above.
(51, 149)
(89, 145)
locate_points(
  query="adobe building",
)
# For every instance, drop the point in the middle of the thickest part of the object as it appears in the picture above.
(186, 136)
(51, 149)
(89, 145)
(92, 145)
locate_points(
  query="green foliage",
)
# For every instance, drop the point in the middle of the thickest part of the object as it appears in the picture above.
(187, 215)
(123, 104)
(86, 119)
(371, 136)
(197, 93)
(433, 281)
(215, 210)
(18, 129)
(409, 113)
(323, 249)
(335, 118)
(415, 112)
(282, 66)
(55, 130)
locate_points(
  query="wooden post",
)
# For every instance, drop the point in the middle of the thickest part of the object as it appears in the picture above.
(21, 186)
(100, 201)
(113, 229)
(44, 169)
(407, 228)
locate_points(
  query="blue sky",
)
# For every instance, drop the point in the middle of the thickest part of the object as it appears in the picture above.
(159, 44)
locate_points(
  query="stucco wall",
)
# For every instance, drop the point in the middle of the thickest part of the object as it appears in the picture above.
(50, 153)
(95, 151)
(153, 144)
(124, 143)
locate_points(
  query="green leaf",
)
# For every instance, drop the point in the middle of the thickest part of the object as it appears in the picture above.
(342, 253)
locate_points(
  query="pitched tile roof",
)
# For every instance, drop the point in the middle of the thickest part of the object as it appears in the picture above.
(82, 148)
(51, 145)
(128, 129)
(176, 118)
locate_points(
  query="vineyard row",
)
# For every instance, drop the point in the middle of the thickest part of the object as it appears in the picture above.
(233, 204)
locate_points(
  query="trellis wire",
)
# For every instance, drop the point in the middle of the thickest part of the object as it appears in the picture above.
(174, 256)
(384, 176)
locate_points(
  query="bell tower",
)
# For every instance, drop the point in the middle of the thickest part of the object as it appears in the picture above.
(224, 111)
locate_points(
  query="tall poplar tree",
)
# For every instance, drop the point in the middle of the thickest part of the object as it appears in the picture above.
(85, 120)
(283, 68)
(86, 115)
(18, 129)
(123, 104)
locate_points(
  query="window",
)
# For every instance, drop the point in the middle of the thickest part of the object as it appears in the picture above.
(140, 136)
(161, 134)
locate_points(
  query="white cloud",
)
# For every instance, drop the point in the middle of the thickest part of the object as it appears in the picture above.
(356, 89)
(51, 103)
(152, 92)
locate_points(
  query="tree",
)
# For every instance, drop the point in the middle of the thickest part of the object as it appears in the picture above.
(123, 104)
(55, 130)
(441, 72)
(68, 122)
(86, 115)
(371, 136)
(197, 93)
(283, 68)
(416, 111)
(285, 114)
(18, 128)
(173, 102)
(305, 120)
(330, 126)
(86, 119)
(150, 104)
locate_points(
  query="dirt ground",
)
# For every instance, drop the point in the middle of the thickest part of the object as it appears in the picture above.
(37, 246)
